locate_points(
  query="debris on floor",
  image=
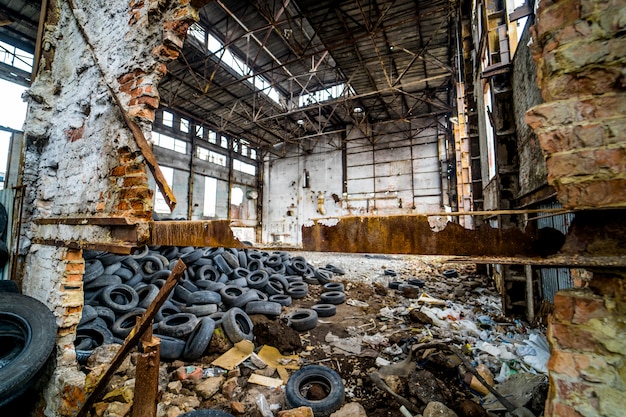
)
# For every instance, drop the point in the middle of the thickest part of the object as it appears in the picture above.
(401, 335)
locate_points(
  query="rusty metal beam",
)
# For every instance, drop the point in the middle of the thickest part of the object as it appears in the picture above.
(411, 234)
(193, 233)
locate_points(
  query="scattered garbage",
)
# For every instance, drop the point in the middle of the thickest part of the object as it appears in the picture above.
(394, 351)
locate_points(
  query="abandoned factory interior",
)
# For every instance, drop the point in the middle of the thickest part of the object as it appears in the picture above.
(298, 208)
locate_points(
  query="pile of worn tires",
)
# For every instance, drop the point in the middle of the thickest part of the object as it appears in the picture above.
(220, 287)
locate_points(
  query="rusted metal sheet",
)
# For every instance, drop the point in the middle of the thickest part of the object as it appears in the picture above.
(193, 233)
(411, 234)
(567, 260)
(120, 249)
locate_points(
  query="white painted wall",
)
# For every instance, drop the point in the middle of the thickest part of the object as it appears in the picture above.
(388, 171)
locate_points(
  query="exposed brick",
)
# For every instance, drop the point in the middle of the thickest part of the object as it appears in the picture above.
(587, 308)
(151, 102)
(564, 86)
(563, 363)
(563, 306)
(557, 15)
(135, 192)
(587, 161)
(165, 53)
(133, 169)
(606, 193)
(141, 112)
(573, 337)
(118, 171)
(135, 181)
(73, 255)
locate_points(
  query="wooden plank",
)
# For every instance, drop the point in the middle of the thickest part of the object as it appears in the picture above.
(133, 338)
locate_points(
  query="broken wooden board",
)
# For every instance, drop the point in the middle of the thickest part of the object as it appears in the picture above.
(265, 381)
(235, 355)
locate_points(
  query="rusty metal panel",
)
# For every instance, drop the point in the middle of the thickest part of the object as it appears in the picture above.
(193, 233)
(411, 234)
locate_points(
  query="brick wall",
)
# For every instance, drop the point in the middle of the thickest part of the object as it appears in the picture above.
(588, 359)
(580, 50)
(81, 159)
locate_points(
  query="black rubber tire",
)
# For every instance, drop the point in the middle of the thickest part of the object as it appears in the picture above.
(190, 257)
(171, 348)
(88, 314)
(302, 319)
(450, 273)
(200, 310)
(282, 299)
(207, 272)
(323, 275)
(299, 265)
(106, 314)
(297, 291)
(204, 297)
(125, 323)
(127, 293)
(182, 294)
(257, 279)
(112, 269)
(333, 286)
(103, 281)
(333, 297)
(327, 379)
(222, 265)
(217, 317)
(4, 221)
(178, 325)
(231, 259)
(325, 310)
(30, 328)
(393, 285)
(199, 339)
(416, 282)
(237, 325)
(146, 295)
(335, 269)
(93, 269)
(277, 284)
(255, 265)
(6, 285)
(124, 273)
(229, 293)
(167, 309)
(239, 273)
(274, 261)
(245, 298)
(269, 308)
(150, 264)
(390, 272)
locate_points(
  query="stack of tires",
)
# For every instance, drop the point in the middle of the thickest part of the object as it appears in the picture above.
(220, 287)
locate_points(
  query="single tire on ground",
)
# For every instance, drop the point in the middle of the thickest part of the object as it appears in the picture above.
(325, 310)
(302, 319)
(297, 391)
(199, 339)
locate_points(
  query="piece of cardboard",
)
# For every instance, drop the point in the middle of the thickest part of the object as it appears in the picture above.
(237, 354)
(265, 381)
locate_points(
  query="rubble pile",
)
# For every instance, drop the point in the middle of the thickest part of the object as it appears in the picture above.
(407, 337)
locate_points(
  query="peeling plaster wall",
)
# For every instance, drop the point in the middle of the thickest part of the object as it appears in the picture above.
(80, 157)
(387, 171)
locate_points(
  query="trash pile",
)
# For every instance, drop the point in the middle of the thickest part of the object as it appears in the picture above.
(242, 327)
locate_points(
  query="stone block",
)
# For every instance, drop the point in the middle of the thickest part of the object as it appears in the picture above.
(297, 412)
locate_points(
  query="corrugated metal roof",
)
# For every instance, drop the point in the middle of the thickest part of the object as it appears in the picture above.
(395, 56)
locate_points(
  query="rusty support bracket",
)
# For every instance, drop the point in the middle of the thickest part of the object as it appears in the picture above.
(79, 221)
(147, 376)
(120, 249)
(133, 338)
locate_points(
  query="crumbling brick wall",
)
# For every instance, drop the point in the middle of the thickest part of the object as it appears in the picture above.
(580, 51)
(81, 159)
